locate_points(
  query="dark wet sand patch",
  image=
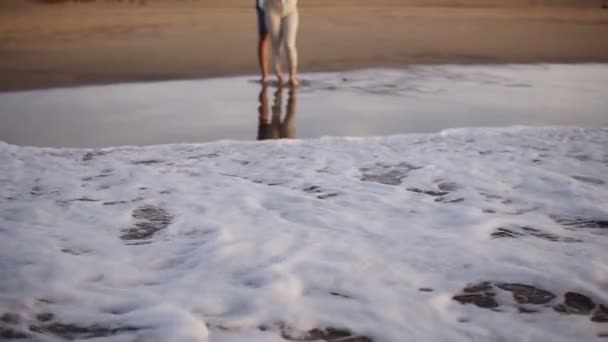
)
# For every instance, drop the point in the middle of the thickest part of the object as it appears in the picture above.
(325, 334)
(578, 222)
(10, 333)
(203, 156)
(76, 251)
(529, 299)
(319, 192)
(147, 162)
(589, 180)
(522, 231)
(81, 199)
(46, 325)
(75, 332)
(428, 192)
(340, 294)
(575, 303)
(527, 294)
(601, 314)
(92, 155)
(150, 220)
(481, 300)
(387, 174)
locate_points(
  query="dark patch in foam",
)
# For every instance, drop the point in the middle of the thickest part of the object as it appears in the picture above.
(147, 162)
(483, 295)
(601, 314)
(199, 156)
(74, 332)
(428, 192)
(575, 303)
(45, 317)
(341, 295)
(448, 186)
(527, 294)
(577, 222)
(10, 318)
(531, 299)
(479, 294)
(515, 232)
(328, 334)
(269, 183)
(445, 200)
(484, 286)
(75, 251)
(581, 157)
(37, 190)
(81, 199)
(480, 300)
(387, 174)
(589, 180)
(151, 220)
(114, 202)
(526, 310)
(92, 155)
(11, 333)
(321, 193)
(445, 188)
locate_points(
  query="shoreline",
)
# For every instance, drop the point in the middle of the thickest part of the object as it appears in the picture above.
(254, 77)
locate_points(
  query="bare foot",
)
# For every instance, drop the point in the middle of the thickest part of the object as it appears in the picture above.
(279, 80)
(264, 79)
(293, 81)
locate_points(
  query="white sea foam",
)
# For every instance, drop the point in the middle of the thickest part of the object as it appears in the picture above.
(233, 241)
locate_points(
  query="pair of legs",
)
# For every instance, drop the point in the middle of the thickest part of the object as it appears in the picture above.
(283, 29)
(281, 25)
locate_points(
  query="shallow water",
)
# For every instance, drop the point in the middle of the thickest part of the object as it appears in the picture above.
(376, 102)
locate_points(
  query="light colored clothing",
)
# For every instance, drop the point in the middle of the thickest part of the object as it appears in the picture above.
(282, 21)
(284, 6)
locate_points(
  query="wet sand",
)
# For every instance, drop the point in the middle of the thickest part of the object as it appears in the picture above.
(76, 44)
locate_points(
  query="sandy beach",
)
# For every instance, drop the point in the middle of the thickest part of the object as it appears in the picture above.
(71, 44)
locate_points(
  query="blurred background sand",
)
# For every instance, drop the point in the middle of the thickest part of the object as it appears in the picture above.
(77, 43)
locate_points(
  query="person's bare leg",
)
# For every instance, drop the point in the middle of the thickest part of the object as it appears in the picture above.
(290, 33)
(263, 57)
(273, 21)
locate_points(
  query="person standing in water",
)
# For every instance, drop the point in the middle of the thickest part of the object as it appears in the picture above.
(281, 24)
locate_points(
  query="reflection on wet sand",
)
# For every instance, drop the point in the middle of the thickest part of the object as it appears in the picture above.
(270, 123)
